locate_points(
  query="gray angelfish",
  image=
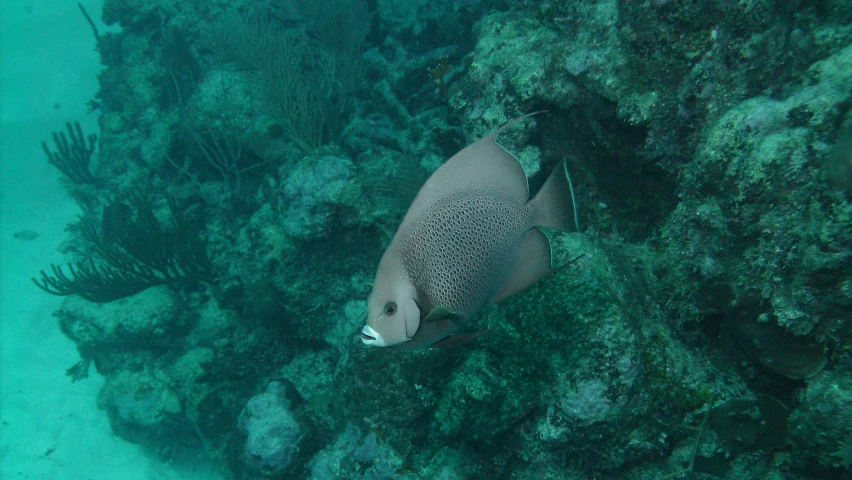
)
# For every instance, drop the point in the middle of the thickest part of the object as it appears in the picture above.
(468, 240)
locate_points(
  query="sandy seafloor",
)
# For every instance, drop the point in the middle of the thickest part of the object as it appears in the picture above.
(48, 68)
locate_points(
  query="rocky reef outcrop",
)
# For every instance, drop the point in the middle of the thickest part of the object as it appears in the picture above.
(703, 330)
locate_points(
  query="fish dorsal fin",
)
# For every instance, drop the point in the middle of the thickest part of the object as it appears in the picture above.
(531, 265)
(481, 166)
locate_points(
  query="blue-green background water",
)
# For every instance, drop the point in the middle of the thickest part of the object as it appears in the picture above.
(51, 428)
(204, 273)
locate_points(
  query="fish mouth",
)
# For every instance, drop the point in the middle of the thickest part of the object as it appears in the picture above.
(371, 337)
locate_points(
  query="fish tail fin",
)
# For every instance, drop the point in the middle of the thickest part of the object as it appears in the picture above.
(551, 204)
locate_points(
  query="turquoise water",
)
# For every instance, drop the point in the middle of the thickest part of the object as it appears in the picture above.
(218, 262)
(51, 428)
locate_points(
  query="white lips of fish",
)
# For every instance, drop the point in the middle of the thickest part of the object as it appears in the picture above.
(372, 337)
(468, 240)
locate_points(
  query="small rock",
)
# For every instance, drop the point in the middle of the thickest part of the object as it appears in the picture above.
(273, 431)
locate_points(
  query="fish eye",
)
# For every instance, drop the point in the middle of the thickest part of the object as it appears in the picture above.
(390, 308)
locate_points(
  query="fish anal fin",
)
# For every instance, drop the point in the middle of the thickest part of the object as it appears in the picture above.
(456, 340)
(532, 263)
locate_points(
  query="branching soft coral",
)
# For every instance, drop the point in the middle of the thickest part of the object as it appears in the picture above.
(72, 158)
(137, 252)
(843, 455)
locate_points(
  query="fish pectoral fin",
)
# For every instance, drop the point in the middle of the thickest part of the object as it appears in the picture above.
(456, 340)
(439, 313)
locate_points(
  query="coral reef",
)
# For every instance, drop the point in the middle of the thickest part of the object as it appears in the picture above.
(820, 429)
(705, 330)
(143, 409)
